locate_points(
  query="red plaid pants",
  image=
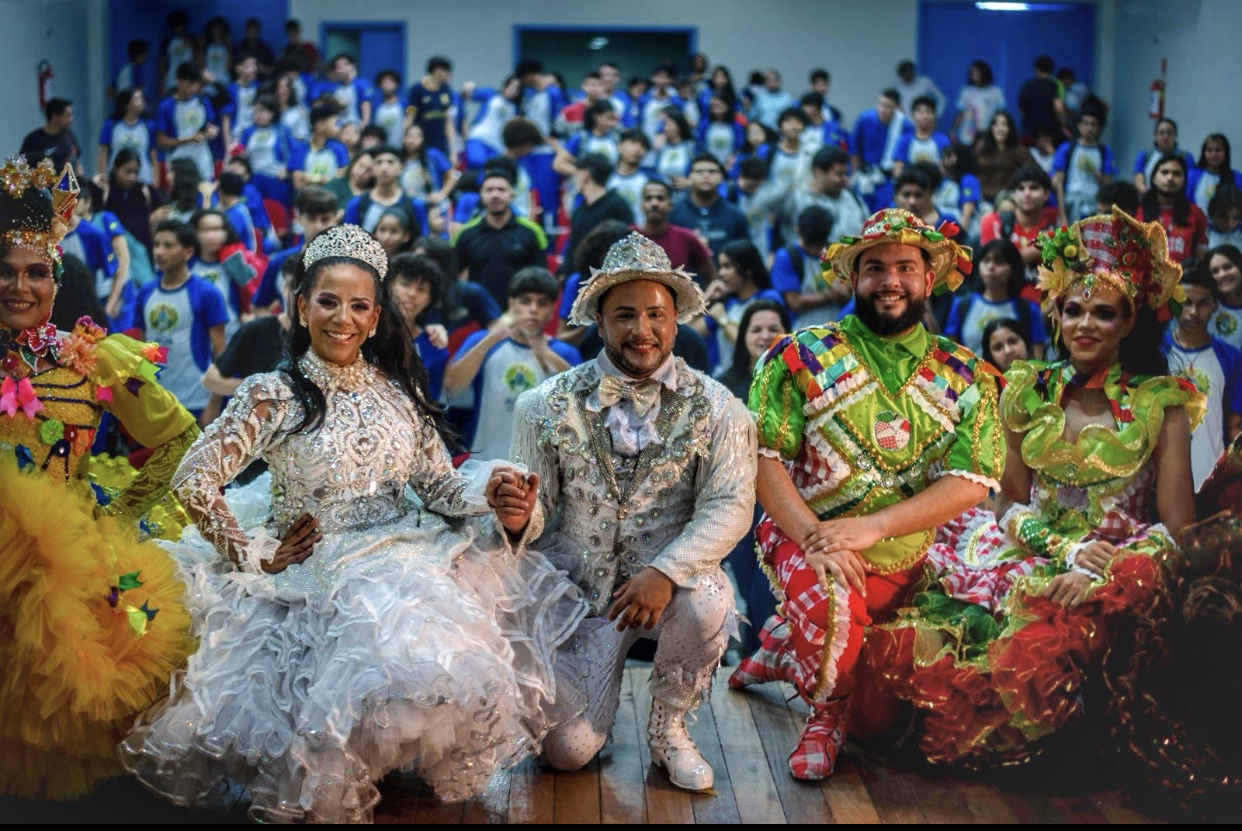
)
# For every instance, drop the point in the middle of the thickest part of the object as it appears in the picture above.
(827, 626)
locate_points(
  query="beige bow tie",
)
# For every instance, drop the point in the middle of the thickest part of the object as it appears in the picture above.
(642, 394)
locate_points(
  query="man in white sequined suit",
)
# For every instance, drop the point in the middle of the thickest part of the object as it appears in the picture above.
(647, 476)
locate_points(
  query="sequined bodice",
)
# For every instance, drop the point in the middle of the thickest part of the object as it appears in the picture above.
(349, 472)
(353, 469)
(1130, 501)
(58, 437)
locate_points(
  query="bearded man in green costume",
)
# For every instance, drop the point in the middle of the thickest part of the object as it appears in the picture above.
(872, 432)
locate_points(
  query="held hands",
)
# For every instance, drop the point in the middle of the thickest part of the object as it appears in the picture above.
(641, 600)
(296, 546)
(512, 496)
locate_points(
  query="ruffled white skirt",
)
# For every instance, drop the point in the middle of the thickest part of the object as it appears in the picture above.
(414, 644)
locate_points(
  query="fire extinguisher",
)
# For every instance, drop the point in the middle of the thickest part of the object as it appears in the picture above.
(47, 86)
(1155, 95)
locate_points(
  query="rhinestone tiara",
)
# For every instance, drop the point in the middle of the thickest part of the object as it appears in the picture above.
(347, 241)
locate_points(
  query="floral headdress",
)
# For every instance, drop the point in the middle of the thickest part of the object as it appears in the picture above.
(1115, 250)
(950, 261)
(36, 207)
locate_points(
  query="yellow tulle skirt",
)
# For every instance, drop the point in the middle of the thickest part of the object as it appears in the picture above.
(91, 629)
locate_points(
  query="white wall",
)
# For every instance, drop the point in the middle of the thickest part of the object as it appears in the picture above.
(859, 42)
(66, 32)
(794, 35)
(1200, 40)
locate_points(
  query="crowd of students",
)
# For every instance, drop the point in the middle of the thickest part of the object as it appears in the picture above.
(221, 159)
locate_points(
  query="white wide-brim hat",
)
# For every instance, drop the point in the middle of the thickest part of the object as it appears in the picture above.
(637, 258)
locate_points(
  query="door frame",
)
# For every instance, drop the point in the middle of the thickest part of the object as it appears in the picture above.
(362, 25)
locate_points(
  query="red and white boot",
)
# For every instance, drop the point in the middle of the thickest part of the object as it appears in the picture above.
(820, 744)
(769, 663)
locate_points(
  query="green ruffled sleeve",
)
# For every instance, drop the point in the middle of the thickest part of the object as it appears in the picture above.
(776, 400)
(129, 390)
(1099, 452)
(979, 448)
(125, 374)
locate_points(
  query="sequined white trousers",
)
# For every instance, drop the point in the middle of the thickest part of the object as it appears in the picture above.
(691, 638)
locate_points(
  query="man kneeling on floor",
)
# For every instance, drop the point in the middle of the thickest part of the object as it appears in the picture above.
(647, 468)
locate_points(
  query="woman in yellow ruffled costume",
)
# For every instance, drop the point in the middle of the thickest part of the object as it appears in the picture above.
(92, 625)
(1025, 603)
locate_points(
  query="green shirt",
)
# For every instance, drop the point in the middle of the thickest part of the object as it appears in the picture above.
(865, 422)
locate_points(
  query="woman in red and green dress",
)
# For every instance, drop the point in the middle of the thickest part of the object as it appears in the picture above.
(1024, 603)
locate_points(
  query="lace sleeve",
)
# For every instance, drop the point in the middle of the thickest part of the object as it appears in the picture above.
(241, 434)
(439, 485)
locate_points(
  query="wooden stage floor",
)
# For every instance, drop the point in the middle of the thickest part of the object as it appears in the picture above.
(745, 735)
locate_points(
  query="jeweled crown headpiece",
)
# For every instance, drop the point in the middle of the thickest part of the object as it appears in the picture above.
(1111, 249)
(347, 241)
(36, 206)
(637, 258)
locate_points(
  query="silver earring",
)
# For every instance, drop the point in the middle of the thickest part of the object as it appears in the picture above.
(372, 334)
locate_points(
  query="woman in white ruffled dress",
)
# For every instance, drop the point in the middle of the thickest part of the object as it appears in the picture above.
(367, 632)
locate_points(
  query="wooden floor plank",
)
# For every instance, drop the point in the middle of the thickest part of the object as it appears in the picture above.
(753, 786)
(493, 807)
(532, 794)
(623, 793)
(986, 803)
(847, 795)
(1112, 805)
(577, 796)
(1079, 809)
(665, 803)
(896, 794)
(720, 807)
(802, 802)
(1033, 809)
(745, 735)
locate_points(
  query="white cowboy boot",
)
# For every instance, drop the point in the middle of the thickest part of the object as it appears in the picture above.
(673, 749)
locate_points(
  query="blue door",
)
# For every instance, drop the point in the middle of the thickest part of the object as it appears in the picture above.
(954, 35)
(374, 46)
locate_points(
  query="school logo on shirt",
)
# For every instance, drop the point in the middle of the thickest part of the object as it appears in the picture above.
(1197, 377)
(892, 431)
(163, 318)
(1226, 323)
(519, 378)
